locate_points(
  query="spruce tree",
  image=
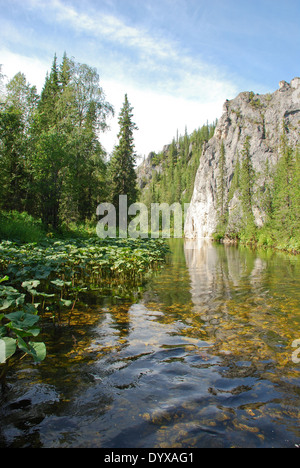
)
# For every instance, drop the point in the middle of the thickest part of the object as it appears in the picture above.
(49, 155)
(221, 192)
(16, 114)
(122, 175)
(286, 190)
(247, 179)
(49, 97)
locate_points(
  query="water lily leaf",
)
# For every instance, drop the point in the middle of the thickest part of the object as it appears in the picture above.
(22, 345)
(30, 285)
(22, 320)
(6, 278)
(59, 283)
(6, 304)
(8, 347)
(38, 351)
(65, 303)
(46, 295)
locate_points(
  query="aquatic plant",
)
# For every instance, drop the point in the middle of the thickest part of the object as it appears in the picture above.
(47, 278)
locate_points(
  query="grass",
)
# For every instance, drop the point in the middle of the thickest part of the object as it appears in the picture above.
(265, 237)
(43, 275)
(24, 228)
(20, 227)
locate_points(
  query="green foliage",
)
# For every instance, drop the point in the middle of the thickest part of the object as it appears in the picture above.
(235, 183)
(20, 227)
(12, 165)
(284, 218)
(174, 182)
(17, 329)
(51, 159)
(122, 173)
(279, 197)
(246, 179)
(222, 187)
(46, 279)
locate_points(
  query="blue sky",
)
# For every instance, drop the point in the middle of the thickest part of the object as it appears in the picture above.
(178, 60)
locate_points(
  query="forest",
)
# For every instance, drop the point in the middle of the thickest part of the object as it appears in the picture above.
(52, 163)
(55, 172)
(174, 171)
(279, 197)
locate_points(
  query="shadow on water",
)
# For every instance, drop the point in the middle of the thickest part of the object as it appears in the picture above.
(201, 356)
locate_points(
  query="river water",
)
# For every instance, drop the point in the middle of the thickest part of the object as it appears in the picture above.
(201, 356)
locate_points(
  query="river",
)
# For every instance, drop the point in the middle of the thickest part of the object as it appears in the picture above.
(201, 356)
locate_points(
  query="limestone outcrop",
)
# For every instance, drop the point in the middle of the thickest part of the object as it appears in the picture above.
(261, 119)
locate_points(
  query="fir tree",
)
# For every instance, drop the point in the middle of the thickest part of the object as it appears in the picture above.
(247, 179)
(235, 183)
(122, 173)
(16, 116)
(221, 192)
(49, 98)
(286, 189)
(65, 72)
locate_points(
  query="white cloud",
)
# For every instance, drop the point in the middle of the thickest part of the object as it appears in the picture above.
(157, 116)
(168, 88)
(139, 54)
(33, 68)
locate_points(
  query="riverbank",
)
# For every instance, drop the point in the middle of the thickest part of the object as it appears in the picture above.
(258, 245)
(44, 276)
(216, 326)
(263, 239)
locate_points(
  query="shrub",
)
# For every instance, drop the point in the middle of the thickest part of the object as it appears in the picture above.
(20, 227)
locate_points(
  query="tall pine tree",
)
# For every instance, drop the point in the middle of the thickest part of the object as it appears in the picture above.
(16, 115)
(122, 175)
(247, 180)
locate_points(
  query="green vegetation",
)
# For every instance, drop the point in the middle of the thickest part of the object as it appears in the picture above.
(17, 328)
(282, 228)
(51, 160)
(221, 193)
(121, 172)
(174, 181)
(54, 173)
(279, 198)
(46, 279)
(20, 227)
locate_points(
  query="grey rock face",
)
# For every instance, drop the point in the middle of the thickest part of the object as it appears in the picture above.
(260, 117)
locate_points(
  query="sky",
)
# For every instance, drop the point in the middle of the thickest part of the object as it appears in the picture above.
(177, 60)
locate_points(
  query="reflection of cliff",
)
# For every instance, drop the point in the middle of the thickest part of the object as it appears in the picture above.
(238, 301)
(215, 271)
(202, 261)
(220, 269)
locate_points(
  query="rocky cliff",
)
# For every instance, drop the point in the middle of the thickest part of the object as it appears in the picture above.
(260, 119)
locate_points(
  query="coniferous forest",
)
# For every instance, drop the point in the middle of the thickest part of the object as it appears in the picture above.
(52, 163)
(55, 170)
(149, 226)
(279, 196)
(55, 173)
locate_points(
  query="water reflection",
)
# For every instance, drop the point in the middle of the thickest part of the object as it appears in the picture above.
(245, 300)
(201, 358)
